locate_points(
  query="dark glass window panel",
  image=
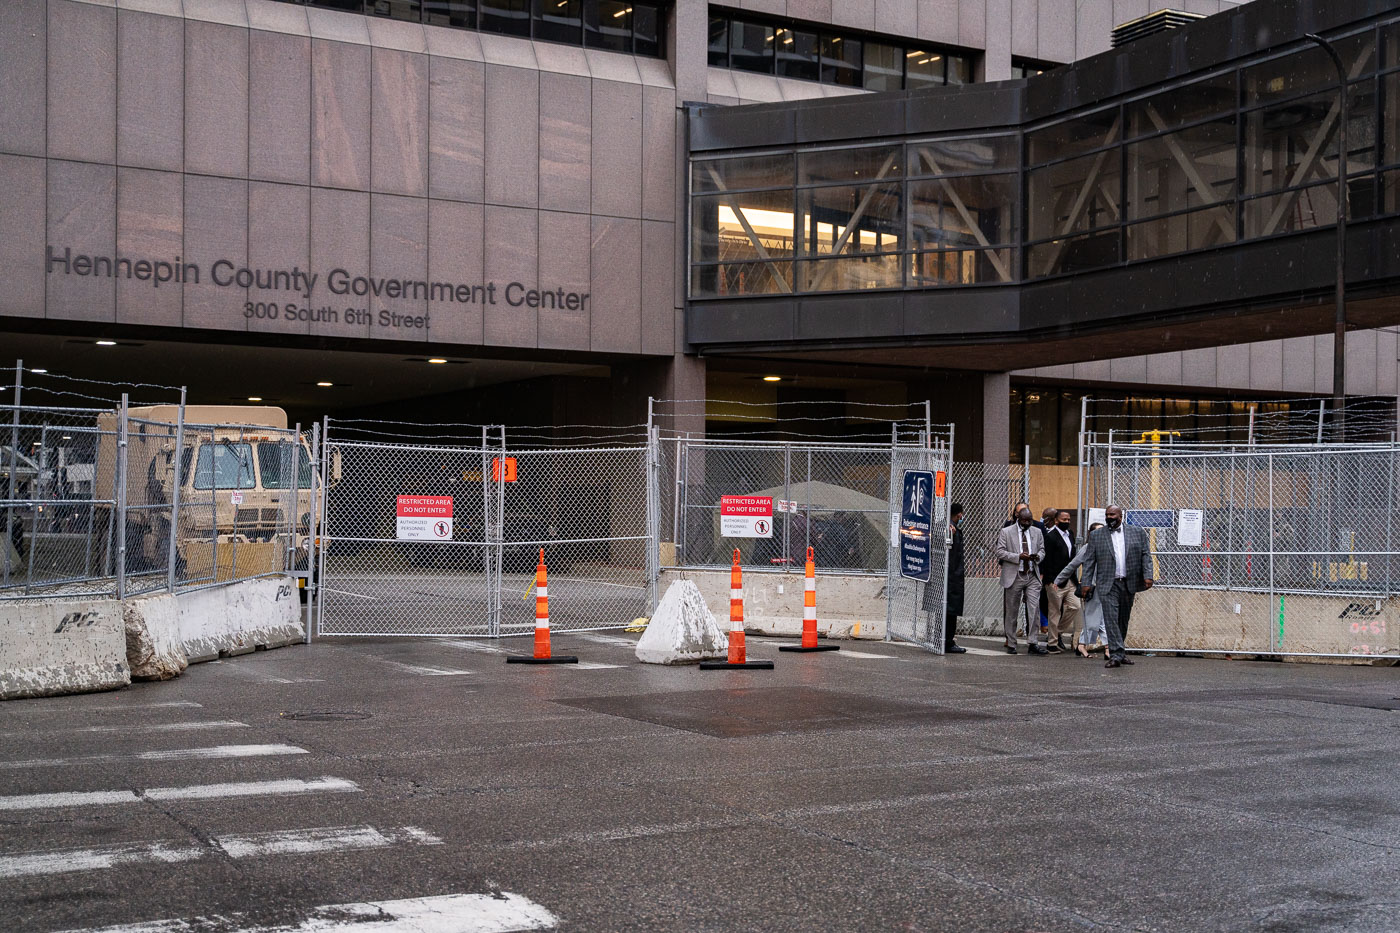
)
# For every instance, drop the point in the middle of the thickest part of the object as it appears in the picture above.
(759, 171)
(1075, 254)
(741, 278)
(1070, 409)
(956, 211)
(460, 13)
(925, 68)
(884, 67)
(960, 267)
(719, 42)
(1182, 105)
(1390, 192)
(607, 24)
(1307, 70)
(1073, 196)
(646, 30)
(942, 156)
(559, 21)
(1179, 233)
(276, 461)
(1071, 137)
(851, 219)
(1291, 211)
(410, 10)
(841, 61)
(751, 47)
(510, 17)
(798, 54)
(849, 275)
(959, 69)
(1177, 171)
(349, 6)
(1043, 424)
(719, 235)
(868, 163)
(1280, 148)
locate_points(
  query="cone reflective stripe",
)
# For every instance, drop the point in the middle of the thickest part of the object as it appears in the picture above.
(541, 609)
(736, 612)
(809, 604)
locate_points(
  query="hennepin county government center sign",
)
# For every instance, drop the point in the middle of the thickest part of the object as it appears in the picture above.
(304, 284)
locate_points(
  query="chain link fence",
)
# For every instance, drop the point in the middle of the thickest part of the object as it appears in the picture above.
(987, 492)
(495, 507)
(1282, 549)
(915, 610)
(120, 500)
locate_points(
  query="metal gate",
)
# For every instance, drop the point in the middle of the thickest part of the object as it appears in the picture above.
(915, 611)
(586, 508)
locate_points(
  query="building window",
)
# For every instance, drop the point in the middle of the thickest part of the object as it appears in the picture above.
(810, 52)
(1029, 67)
(615, 25)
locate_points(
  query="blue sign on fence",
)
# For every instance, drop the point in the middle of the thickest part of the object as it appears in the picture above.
(1151, 518)
(916, 526)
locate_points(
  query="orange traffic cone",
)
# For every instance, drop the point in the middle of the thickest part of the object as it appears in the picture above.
(541, 655)
(737, 656)
(809, 613)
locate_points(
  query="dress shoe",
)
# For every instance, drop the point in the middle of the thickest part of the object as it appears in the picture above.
(1126, 660)
(1064, 645)
(1037, 649)
(1111, 662)
(1010, 649)
(954, 649)
(1054, 648)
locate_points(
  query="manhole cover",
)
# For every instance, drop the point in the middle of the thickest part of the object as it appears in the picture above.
(325, 715)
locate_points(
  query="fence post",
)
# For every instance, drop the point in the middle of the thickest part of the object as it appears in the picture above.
(499, 541)
(1268, 616)
(787, 497)
(313, 526)
(1109, 470)
(320, 519)
(177, 461)
(653, 456)
(123, 436)
(1390, 522)
(1321, 417)
(14, 469)
(290, 469)
(891, 552)
(1026, 475)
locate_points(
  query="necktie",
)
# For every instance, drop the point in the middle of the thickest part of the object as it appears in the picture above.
(1025, 549)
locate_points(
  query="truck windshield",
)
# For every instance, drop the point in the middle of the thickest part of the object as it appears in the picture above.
(275, 461)
(224, 465)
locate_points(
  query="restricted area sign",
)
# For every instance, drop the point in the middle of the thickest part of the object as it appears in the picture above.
(746, 516)
(916, 526)
(424, 518)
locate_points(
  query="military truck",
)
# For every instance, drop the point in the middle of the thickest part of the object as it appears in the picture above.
(245, 490)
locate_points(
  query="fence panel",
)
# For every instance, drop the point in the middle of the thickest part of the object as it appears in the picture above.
(986, 491)
(915, 610)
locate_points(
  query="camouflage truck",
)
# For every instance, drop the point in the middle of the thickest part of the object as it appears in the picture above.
(245, 491)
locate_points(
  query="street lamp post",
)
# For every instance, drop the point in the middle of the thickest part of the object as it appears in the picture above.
(1339, 363)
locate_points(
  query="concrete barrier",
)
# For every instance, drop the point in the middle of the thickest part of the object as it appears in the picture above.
(50, 647)
(240, 617)
(154, 650)
(848, 606)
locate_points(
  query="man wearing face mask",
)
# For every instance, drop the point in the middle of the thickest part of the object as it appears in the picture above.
(1062, 606)
(1121, 572)
(1020, 549)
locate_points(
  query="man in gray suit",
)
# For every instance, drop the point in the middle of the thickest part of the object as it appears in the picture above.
(1121, 571)
(1020, 549)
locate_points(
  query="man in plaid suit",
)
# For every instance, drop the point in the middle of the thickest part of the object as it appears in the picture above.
(1122, 570)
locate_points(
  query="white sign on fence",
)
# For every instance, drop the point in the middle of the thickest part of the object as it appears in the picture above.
(424, 518)
(787, 505)
(746, 516)
(1189, 523)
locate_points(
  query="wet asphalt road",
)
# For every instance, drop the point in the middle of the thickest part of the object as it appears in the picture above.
(837, 792)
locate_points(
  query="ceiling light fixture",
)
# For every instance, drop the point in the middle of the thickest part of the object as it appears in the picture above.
(255, 398)
(437, 359)
(772, 378)
(915, 54)
(41, 371)
(106, 343)
(325, 385)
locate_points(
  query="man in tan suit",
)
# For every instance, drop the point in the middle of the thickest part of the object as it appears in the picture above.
(1020, 549)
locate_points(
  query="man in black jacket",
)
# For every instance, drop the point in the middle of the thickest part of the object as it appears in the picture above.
(1062, 605)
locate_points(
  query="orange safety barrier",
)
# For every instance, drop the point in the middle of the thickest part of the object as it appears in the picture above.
(542, 653)
(737, 654)
(809, 613)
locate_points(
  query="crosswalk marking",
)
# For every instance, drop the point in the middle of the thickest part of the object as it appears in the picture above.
(174, 754)
(423, 670)
(606, 639)
(595, 666)
(499, 912)
(135, 727)
(248, 845)
(68, 709)
(192, 792)
(848, 653)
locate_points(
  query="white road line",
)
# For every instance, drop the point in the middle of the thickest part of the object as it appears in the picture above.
(595, 666)
(848, 653)
(194, 792)
(253, 673)
(606, 639)
(135, 727)
(984, 651)
(286, 842)
(468, 645)
(422, 671)
(175, 754)
(501, 912)
(70, 707)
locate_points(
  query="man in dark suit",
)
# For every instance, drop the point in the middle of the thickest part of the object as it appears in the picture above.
(1062, 605)
(1121, 572)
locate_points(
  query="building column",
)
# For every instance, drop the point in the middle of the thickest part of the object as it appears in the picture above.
(996, 417)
